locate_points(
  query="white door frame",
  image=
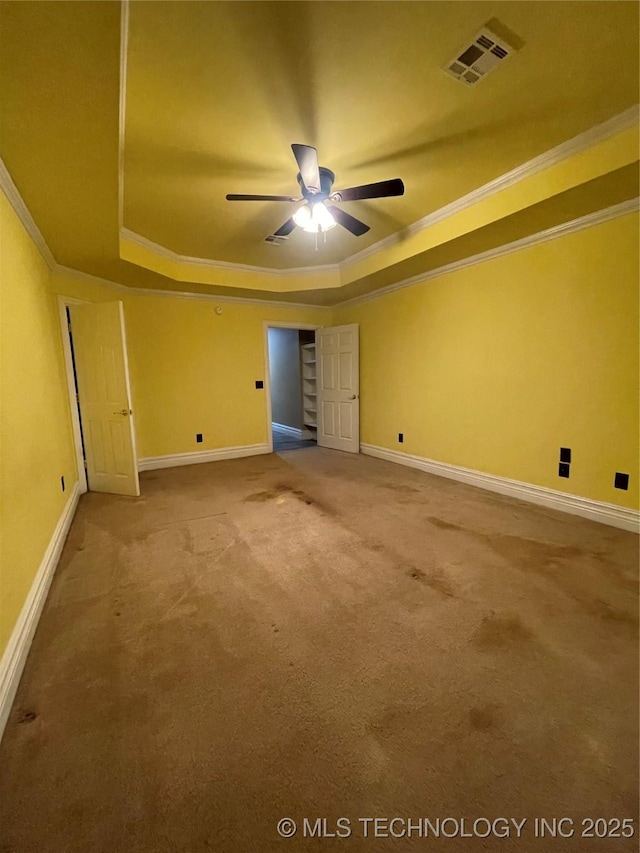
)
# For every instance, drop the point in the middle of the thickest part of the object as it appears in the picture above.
(273, 324)
(63, 302)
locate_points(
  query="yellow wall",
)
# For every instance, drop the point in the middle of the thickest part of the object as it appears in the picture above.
(35, 433)
(193, 371)
(492, 368)
(497, 366)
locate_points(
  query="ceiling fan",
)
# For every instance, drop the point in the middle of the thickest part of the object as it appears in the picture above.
(316, 182)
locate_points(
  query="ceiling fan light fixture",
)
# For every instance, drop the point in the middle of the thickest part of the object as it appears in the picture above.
(314, 218)
(302, 216)
(323, 217)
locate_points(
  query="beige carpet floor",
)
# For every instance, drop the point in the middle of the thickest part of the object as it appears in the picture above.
(320, 635)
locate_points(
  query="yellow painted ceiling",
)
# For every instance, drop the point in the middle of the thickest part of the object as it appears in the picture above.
(216, 92)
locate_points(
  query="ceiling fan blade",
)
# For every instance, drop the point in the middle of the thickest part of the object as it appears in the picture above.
(347, 221)
(307, 160)
(241, 197)
(382, 189)
(286, 229)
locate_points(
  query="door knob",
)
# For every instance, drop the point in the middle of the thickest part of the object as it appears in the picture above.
(353, 397)
(123, 412)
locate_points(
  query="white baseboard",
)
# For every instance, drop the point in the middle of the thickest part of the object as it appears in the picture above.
(175, 460)
(292, 431)
(605, 513)
(15, 655)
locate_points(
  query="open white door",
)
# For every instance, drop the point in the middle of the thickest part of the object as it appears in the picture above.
(338, 381)
(105, 399)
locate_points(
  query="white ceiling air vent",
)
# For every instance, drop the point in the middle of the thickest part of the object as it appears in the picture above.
(275, 240)
(477, 59)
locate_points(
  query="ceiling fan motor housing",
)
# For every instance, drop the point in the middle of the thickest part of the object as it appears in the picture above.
(327, 177)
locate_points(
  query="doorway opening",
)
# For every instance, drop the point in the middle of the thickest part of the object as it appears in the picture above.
(292, 414)
(74, 378)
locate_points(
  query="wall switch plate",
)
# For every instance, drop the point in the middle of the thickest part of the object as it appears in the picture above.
(400, 437)
(259, 383)
(199, 437)
(563, 469)
(621, 481)
(565, 454)
(62, 483)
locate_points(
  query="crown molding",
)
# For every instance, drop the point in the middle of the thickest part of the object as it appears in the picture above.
(178, 294)
(16, 201)
(170, 255)
(599, 133)
(22, 211)
(582, 222)
(582, 141)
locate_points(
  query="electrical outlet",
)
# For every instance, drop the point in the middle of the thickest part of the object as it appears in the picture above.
(621, 481)
(199, 437)
(400, 437)
(565, 454)
(563, 469)
(62, 483)
(259, 383)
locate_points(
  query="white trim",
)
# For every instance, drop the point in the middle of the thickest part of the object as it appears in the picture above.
(207, 297)
(266, 325)
(61, 269)
(22, 212)
(599, 133)
(294, 432)
(587, 221)
(15, 654)
(175, 257)
(176, 460)
(63, 301)
(604, 513)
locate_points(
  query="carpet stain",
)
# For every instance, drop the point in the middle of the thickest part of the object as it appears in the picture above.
(26, 716)
(279, 491)
(400, 488)
(550, 561)
(436, 580)
(258, 497)
(501, 632)
(607, 612)
(440, 584)
(417, 574)
(483, 719)
(446, 525)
